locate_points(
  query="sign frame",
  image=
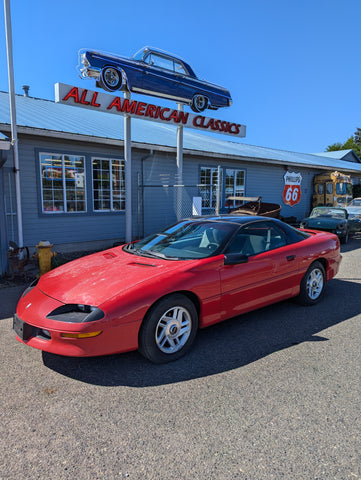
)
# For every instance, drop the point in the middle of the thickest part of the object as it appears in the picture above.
(105, 102)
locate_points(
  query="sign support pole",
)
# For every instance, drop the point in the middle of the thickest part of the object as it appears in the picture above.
(128, 174)
(179, 191)
(14, 132)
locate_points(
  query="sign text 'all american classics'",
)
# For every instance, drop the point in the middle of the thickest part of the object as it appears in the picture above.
(113, 104)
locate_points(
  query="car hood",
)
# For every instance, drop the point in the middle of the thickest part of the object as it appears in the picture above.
(93, 279)
(323, 222)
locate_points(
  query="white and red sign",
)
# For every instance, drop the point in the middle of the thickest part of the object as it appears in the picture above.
(292, 190)
(122, 106)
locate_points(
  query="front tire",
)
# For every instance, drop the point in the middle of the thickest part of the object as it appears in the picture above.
(111, 79)
(312, 285)
(168, 329)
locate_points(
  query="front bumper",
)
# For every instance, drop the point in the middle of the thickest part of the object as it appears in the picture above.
(119, 339)
(33, 328)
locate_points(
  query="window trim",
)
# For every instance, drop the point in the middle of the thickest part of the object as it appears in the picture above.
(109, 159)
(223, 169)
(62, 154)
(234, 169)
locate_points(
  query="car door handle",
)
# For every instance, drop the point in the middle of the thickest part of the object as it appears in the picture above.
(290, 258)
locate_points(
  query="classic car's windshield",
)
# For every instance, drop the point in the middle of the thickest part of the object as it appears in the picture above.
(139, 54)
(184, 241)
(328, 212)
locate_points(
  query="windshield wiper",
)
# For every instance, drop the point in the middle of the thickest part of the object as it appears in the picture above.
(130, 248)
(151, 253)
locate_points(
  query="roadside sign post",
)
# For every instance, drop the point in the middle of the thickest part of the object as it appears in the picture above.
(179, 191)
(128, 173)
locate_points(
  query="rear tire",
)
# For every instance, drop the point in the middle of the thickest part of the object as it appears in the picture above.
(169, 329)
(312, 285)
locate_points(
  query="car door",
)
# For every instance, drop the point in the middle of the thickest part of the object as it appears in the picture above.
(270, 274)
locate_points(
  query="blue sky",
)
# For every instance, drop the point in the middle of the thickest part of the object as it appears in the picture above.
(293, 68)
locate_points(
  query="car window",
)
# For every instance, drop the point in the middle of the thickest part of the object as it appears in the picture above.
(257, 238)
(179, 68)
(159, 61)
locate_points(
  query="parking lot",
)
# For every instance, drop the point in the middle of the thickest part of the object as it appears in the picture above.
(274, 394)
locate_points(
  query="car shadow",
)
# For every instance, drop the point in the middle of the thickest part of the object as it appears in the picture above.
(222, 347)
(353, 244)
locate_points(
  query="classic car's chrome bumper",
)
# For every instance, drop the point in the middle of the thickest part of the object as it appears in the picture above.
(90, 72)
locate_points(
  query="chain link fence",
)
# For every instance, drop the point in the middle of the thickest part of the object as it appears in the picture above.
(162, 205)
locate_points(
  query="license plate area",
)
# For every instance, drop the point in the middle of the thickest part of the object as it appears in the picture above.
(22, 329)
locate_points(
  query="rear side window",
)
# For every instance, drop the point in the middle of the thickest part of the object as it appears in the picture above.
(257, 238)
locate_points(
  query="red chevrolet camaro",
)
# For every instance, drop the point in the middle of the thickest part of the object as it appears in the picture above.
(154, 294)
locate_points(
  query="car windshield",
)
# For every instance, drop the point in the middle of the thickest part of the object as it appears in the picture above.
(185, 241)
(140, 54)
(328, 212)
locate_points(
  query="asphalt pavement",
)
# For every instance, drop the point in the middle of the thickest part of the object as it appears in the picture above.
(274, 394)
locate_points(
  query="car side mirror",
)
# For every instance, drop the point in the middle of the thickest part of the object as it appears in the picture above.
(235, 258)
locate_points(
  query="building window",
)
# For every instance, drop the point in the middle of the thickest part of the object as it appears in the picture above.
(235, 186)
(208, 187)
(108, 185)
(62, 183)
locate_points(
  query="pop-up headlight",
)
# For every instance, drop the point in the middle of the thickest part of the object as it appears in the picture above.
(76, 313)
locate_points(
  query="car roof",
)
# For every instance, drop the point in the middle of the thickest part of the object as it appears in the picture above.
(147, 49)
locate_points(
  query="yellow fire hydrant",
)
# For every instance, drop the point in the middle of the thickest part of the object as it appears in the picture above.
(44, 254)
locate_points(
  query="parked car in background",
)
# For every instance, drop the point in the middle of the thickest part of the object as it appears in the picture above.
(354, 214)
(153, 72)
(154, 294)
(355, 202)
(329, 219)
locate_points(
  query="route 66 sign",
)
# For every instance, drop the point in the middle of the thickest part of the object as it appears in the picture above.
(292, 191)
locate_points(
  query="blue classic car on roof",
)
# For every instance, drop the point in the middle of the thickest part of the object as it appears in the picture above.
(153, 72)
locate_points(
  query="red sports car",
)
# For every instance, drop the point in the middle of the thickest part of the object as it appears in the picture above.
(154, 294)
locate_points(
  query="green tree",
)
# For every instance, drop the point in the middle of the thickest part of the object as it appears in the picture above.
(354, 143)
(358, 136)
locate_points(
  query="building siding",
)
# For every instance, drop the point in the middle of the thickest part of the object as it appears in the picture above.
(63, 228)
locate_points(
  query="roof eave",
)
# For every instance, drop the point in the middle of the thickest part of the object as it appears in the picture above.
(163, 148)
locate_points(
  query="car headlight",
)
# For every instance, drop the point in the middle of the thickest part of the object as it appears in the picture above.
(76, 313)
(341, 226)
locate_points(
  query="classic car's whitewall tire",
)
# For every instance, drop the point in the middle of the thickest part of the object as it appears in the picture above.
(199, 103)
(312, 284)
(169, 329)
(111, 79)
